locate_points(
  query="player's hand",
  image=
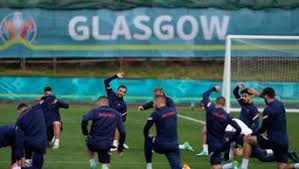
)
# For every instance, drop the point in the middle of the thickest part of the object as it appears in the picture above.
(140, 108)
(120, 154)
(253, 92)
(21, 162)
(55, 101)
(241, 85)
(120, 75)
(217, 88)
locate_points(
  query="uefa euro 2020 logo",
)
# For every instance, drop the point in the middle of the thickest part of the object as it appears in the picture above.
(17, 26)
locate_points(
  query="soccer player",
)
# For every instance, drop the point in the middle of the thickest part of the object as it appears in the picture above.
(274, 123)
(31, 134)
(165, 142)
(105, 120)
(169, 103)
(249, 113)
(157, 92)
(117, 102)
(51, 106)
(217, 120)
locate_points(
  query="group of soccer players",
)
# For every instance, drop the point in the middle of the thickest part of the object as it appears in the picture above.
(40, 126)
(36, 127)
(223, 131)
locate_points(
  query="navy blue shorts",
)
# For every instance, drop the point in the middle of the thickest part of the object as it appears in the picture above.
(103, 153)
(280, 150)
(215, 150)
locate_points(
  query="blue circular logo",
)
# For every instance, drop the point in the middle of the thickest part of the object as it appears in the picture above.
(17, 25)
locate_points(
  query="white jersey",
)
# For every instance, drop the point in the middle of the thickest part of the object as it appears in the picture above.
(244, 128)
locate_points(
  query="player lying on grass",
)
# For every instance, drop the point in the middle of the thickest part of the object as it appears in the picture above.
(117, 102)
(165, 141)
(275, 124)
(30, 135)
(51, 106)
(99, 139)
(217, 120)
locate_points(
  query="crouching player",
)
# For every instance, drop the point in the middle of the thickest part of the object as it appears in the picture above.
(275, 124)
(30, 135)
(217, 120)
(165, 142)
(105, 121)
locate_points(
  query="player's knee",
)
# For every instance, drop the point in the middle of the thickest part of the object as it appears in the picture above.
(204, 131)
(250, 140)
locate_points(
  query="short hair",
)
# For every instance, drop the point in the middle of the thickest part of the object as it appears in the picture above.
(21, 106)
(103, 99)
(47, 89)
(220, 99)
(246, 90)
(269, 92)
(122, 86)
(158, 89)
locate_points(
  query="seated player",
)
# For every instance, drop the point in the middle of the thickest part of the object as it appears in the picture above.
(117, 102)
(157, 92)
(105, 120)
(165, 142)
(51, 106)
(217, 120)
(274, 123)
(30, 135)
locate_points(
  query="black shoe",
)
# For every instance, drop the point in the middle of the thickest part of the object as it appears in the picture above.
(293, 156)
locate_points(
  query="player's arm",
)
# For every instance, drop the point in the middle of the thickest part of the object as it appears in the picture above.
(235, 125)
(122, 135)
(206, 95)
(146, 106)
(62, 104)
(150, 122)
(256, 122)
(265, 123)
(237, 94)
(19, 141)
(109, 79)
(84, 122)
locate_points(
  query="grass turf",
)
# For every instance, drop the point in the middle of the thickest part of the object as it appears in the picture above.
(72, 154)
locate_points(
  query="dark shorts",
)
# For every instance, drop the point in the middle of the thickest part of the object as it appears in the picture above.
(103, 153)
(280, 149)
(215, 150)
(50, 131)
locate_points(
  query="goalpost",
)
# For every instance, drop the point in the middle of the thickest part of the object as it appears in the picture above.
(262, 61)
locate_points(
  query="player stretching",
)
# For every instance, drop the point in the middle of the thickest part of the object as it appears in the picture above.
(216, 121)
(31, 135)
(169, 103)
(117, 102)
(51, 107)
(275, 124)
(105, 120)
(165, 142)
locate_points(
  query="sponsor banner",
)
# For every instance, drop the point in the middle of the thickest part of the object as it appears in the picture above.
(139, 32)
(139, 90)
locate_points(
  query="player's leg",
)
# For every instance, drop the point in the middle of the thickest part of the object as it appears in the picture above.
(90, 152)
(262, 154)
(205, 151)
(148, 151)
(115, 141)
(37, 160)
(57, 125)
(173, 158)
(104, 158)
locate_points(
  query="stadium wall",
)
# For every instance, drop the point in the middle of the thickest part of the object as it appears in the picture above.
(139, 90)
(138, 32)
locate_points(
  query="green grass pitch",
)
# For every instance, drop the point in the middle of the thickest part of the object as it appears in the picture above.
(72, 153)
